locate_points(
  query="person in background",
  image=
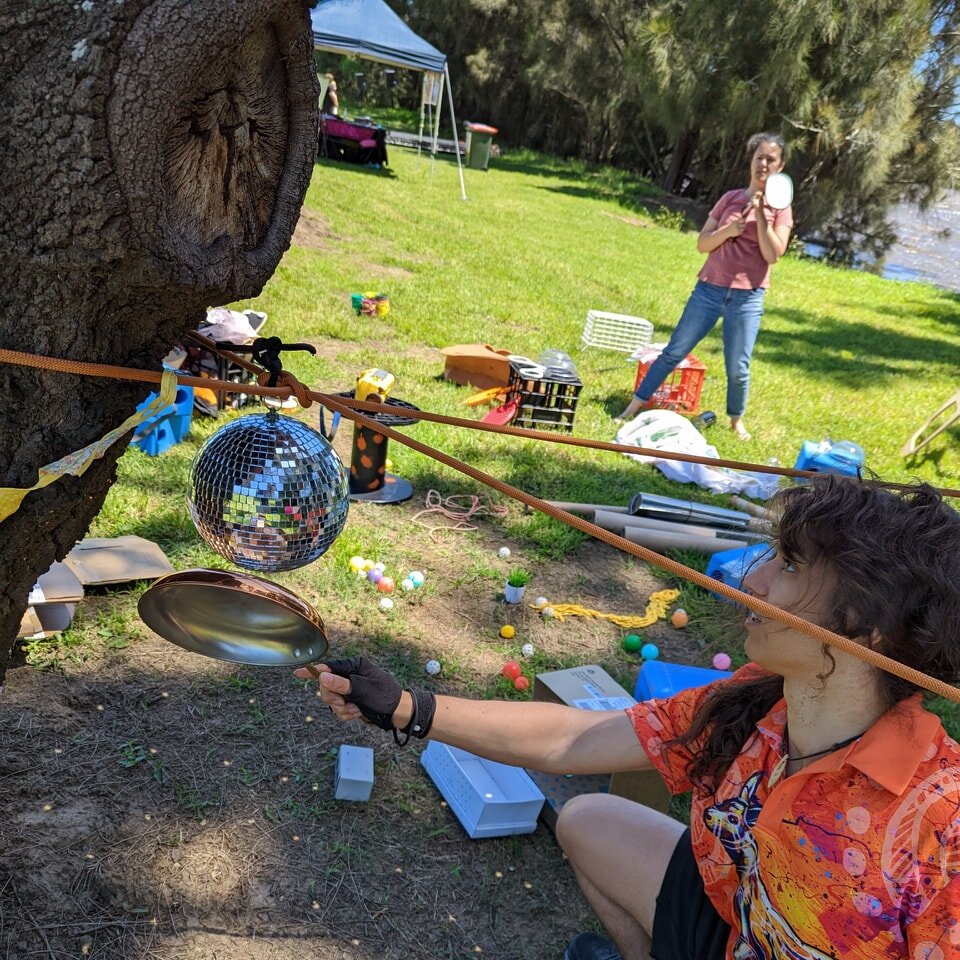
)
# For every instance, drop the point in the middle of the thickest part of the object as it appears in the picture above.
(331, 102)
(742, 238)
(824, 820)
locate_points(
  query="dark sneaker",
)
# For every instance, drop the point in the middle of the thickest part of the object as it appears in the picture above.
(590, 946)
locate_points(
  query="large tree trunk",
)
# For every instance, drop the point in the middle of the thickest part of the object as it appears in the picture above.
(680, 161)
(154, 155)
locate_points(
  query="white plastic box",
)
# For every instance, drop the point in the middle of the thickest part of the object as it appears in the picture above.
(616, 331)
(489, 799)
(354, 775)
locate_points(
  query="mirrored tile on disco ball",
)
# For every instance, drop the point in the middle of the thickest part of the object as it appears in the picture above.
(268, 493)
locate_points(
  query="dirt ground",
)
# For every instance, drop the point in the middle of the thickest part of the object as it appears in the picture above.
(161, 805)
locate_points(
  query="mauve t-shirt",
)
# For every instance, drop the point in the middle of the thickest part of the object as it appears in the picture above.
(738, 262)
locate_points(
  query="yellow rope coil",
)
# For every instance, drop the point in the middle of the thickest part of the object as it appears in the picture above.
(656, 610)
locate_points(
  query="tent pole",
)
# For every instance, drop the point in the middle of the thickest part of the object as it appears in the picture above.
(456, 137)
(420, 134)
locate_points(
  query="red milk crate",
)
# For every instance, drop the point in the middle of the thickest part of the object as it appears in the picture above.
(681, 390)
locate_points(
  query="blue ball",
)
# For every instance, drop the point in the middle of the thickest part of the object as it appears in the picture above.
(649, 651)
(374, 575)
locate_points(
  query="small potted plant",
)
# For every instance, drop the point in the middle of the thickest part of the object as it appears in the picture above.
(516, 584)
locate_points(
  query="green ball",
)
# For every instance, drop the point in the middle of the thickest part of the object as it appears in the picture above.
(632, 643)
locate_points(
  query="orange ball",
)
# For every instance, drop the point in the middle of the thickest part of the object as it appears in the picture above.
(521, 683)
(679, 618)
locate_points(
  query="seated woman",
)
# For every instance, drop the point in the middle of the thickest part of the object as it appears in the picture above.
(824, 821)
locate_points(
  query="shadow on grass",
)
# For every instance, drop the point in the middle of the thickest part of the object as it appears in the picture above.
(847, 353)
(382, 173)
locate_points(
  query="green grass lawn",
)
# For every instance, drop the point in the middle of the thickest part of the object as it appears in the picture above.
(540, 242)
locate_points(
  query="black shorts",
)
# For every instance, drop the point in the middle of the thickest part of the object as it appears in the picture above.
(686, 925)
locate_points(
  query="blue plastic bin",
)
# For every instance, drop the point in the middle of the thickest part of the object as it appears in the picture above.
(166, 428)
(843, 457)
(658, 679)
(731, 566)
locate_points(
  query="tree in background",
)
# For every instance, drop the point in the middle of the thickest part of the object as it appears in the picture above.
(864, 93)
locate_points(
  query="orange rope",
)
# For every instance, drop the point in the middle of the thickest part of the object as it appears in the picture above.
(336, 404)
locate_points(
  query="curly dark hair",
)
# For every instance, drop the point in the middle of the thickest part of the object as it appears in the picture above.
(895, 560)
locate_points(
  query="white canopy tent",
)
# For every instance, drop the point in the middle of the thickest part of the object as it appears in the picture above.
(371, 30)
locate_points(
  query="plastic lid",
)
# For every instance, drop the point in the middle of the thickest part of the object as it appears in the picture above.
(481, 128)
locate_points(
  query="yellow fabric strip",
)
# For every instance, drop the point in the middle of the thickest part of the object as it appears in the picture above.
(77, 462)
(656, 609)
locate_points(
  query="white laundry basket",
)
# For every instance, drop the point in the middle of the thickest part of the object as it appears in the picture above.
(616, 331)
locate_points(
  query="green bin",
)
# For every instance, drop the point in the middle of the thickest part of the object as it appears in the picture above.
(479, 139)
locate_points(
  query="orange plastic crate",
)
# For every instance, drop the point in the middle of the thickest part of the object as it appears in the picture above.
(681, 390)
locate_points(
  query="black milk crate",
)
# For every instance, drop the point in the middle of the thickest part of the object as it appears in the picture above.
(544, 403)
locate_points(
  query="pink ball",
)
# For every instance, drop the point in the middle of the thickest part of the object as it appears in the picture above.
(385, 584)
(721, 661)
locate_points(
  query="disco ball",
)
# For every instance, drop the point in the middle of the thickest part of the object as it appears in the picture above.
(268, 493)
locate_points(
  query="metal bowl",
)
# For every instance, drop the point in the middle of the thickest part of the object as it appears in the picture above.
(234, 616)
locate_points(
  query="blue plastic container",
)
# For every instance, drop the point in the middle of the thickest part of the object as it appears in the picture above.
(658, 679)
(731, 566)
(166, 428)
(843, 457)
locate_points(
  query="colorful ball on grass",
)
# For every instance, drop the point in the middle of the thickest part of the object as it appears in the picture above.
(385, 585)
(722, 661)
(380, 566)
(511, 670)
(386, 603)
(407, 584)
(680, 618)
(374, 575)
(416, 578)
(503, 553)
(507, 632)
(367, 565)
(547, 613)
(632, 643)
(540, 602)
(527, 650)
(649, 651)
(356, 563)
(521, 682)
(432, 667)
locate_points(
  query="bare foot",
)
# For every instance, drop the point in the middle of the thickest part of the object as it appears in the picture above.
(736, 425)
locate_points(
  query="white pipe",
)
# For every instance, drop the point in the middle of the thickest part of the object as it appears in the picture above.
(456, 135)
(661, 540)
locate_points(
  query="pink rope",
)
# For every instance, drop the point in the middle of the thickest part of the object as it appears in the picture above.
(453, 508)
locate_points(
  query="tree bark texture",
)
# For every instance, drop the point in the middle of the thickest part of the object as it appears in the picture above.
(154, 157)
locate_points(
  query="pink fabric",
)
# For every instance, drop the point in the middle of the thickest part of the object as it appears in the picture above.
(738, 262)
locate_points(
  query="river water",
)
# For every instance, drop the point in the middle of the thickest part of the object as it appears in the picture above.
(922, 253)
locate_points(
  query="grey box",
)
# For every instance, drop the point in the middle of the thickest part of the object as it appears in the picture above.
(353, 779)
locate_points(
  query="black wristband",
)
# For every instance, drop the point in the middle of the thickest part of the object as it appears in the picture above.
(421, 718)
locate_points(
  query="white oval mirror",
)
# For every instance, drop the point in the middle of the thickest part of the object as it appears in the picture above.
(778, 192)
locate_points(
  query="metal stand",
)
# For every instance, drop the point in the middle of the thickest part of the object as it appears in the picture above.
(369, 480)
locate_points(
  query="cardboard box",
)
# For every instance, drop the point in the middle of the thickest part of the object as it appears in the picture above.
(58, 585)
(489, 799)
(592, 688)
(100, 561)
(46, 620)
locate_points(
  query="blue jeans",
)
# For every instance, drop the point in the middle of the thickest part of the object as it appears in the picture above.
(741, 311)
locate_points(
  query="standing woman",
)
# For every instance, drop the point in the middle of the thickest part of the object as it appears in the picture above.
(743, 236)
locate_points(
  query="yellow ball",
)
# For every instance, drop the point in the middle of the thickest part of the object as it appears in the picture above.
(356, 563)
(507, 632)
(368, 565)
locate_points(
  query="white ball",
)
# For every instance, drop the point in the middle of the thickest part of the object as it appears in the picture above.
(432, 667)
(540, 602)
(527, 650)
(386, 603)
(407, 584)
(503, 553)
(380, 566)
(547, 613)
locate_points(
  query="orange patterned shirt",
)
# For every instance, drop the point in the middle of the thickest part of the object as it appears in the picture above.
(856, 857)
